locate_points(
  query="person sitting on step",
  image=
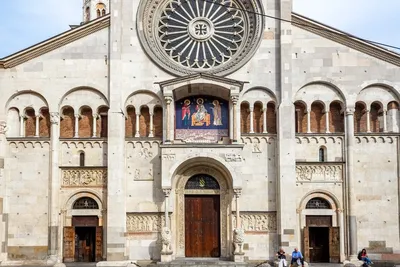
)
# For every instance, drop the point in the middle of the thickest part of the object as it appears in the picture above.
(297, 258)
(282, 258)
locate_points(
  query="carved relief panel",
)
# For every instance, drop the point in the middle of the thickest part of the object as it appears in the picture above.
(319, 173)
(143, 160)
(84, 176)
(257, 222)
(144, 222)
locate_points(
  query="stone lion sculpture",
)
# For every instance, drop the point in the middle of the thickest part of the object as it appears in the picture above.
(238, 239)
(166, 240)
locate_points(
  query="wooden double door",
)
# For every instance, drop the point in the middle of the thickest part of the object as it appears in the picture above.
(202, 226)
(321, 240)
(83, 242)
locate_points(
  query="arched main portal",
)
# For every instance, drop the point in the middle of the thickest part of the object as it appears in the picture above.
(203, 203)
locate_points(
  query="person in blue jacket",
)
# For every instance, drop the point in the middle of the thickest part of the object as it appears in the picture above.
(297, 257)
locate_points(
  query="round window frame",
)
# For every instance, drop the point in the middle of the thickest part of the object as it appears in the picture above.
(156, 53)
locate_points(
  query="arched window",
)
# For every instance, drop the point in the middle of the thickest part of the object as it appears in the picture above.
(85, 203)
(318, 203)
(202, 181)
(82, 159)
(322, 154)
(87, 14)
(98, 13)
(103, 12)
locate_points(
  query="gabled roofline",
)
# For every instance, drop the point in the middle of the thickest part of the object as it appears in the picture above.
(345, 39)
(200, 75)
(55, 42)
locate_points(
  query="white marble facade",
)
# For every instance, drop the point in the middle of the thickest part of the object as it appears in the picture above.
(92, 113)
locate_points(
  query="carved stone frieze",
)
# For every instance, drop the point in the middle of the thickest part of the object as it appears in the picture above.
(84, 176)
(257, 221)
(319, 173)
(230, 157)
(144, 222)
(3, 127)
(54, 117)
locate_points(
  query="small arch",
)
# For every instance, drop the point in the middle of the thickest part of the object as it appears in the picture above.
(67, 123)
(376, 115)
(87, 14)
(271, 117)
(245, 117)
(85, 122)
(158, 121)
(144, 121)
(258, 117)
(102, 122)
(30, 122)
(300, 115)
(318, 203)
(317, 117)
(44, 122)
(85, 203)
(328, 196)
(202, 182)
(82, 159)
(130, 122)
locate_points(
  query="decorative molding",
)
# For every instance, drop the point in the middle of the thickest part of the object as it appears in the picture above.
(145, 222)
(238, 192)
(319, 139)
(231, 157)
(82, 144)
(167, 192)
(55, 42)
(256, 148)
(365, 139)
(267, 138)
(257, 221)
(332, 172)
(22, 144)
(344, 39)
(78, 176)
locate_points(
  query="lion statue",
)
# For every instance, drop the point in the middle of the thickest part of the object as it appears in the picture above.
(238, 239)
(166, 240)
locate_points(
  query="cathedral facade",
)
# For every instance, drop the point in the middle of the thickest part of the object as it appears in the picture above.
(167, 129)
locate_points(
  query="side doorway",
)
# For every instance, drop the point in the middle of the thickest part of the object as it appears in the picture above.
(83, 240)
(321, 240)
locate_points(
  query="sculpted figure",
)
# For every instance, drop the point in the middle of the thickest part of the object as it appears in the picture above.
(166, 240)
(238, 239)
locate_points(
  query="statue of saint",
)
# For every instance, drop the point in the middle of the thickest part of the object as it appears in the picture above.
(217, 113)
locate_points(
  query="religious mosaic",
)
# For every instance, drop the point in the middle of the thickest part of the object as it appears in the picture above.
(201, 119)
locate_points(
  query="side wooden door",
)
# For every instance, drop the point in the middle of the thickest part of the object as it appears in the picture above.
(69, 244)
(99, 243)
(334, 245)
(306, 245)
(202, 226)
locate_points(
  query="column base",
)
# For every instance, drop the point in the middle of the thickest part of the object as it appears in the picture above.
(166, 257)
(238, 257)
(353, 262)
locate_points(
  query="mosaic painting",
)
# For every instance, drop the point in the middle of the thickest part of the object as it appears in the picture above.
(201, 119)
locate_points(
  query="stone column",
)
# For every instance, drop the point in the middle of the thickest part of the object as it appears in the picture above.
(137, 134)
(251, 120)
(95, 116)
(238, 232)
(327, 121)
(151, 133)
(351, 185)
(54, 239)
(76, 135)
(37, 117)
(265, 110)
(368, 121)
(235, 99)
(22, 125)
(308, 121)
(384, 121)
(168, 100)
(166, 252)
(341, 232)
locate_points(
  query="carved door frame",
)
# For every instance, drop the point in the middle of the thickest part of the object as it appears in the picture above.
(68, 212)
(335, 211)
(226, 196)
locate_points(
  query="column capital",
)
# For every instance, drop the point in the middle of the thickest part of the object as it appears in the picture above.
(3, 127)
(235, 99)
(54, 117)
(251, 109)
(350, 111)
(95, 115)
(77, 116)
(22, 116)
(167, 192)
(168, 99)
(237, 192)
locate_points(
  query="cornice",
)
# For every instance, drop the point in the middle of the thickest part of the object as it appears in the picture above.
(55, 42)
(344, 39)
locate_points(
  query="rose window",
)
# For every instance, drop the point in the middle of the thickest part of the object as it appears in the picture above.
(201, 34)
(188, 36)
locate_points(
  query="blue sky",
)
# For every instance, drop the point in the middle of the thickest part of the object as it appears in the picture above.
(25, 23)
